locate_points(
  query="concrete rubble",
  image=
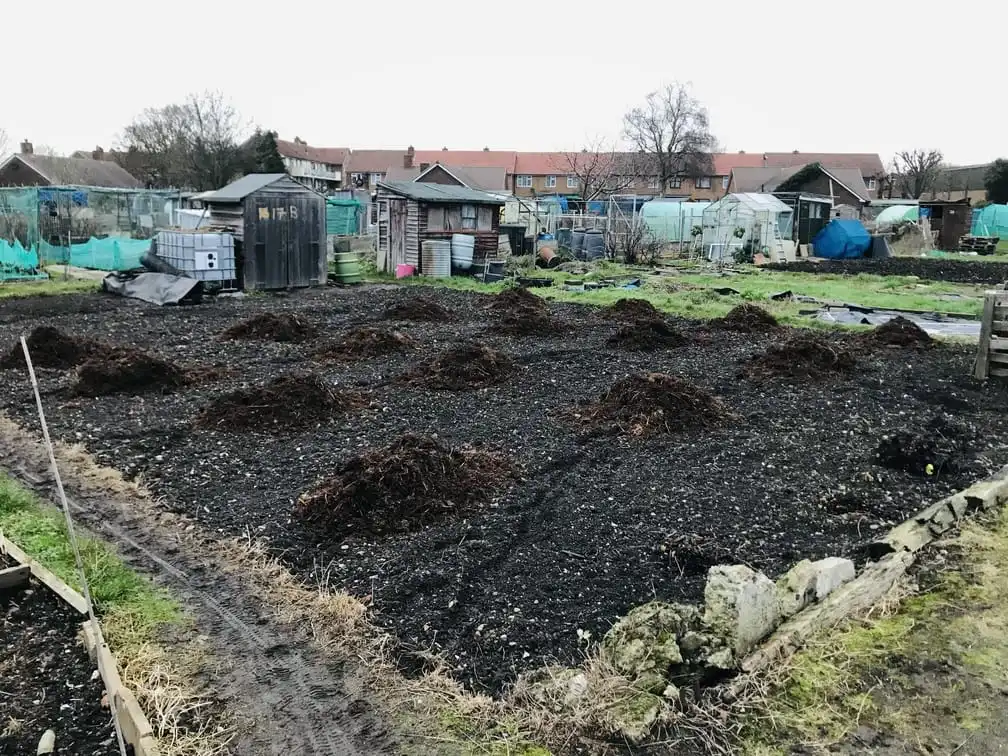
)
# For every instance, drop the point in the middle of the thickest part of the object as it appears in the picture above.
(740, 605)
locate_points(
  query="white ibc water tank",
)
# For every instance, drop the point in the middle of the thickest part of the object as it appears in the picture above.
(462, 246)
(436, 258)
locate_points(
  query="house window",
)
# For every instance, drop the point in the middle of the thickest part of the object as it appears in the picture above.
(375, 178)
(357, 179)
(724, 182)
(524, 182)
(469, 217)
(871, 183)
(703, 182)
(653, 182)
(572, 182)
(551, 182)
(675, 183)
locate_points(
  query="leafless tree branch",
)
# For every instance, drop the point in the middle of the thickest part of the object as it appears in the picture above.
(917, 171)
(599, 169)
(672, 130)
(3, 143)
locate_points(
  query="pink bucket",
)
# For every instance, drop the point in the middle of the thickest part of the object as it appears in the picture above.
(404, 271)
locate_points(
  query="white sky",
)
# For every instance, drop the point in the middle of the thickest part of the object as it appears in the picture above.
(776, 75)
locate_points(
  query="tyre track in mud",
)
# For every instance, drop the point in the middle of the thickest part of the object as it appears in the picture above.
(287, 698)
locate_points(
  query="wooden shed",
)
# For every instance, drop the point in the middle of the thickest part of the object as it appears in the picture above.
(410, 213)
(279, 228)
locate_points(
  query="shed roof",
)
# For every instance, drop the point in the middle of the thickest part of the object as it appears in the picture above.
(770, 179)
(71, 171)
(238, 190)
(439, 193)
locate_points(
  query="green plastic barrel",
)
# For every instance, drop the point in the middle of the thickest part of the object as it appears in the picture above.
(347, 268)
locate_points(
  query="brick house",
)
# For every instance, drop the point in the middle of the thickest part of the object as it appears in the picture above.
(319, 168)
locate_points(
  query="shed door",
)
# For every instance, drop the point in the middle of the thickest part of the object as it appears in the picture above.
(288, 242)
(397, 232)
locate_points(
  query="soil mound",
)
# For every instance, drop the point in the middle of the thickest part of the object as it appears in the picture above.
(287, 402)
(632, 308)
(419, 309)
(644, 404)
(801, 357)
(269, 326)
(942, 448)
(127, 371)
(468, 366)
(527, 323)
(51, 348)
(748, 318)
(899, 332)
(413, 480)
(518, 300)
(647, 336)
(366, 342)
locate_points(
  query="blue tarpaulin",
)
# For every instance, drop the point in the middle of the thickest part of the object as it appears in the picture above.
(842, 239)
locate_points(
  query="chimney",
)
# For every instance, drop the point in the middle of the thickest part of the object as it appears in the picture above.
(26, 148)
(444, 149)
(486, 149)
(99, 153)
(741, 152)
(794, 152)
(408, 157)
(764, 160)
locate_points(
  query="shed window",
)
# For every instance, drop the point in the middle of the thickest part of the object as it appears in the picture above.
(703, 182)
(469, 217)
(485, 218)
(436, 219)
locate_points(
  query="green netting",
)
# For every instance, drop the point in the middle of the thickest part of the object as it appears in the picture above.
(17, 263)
(991, 221)
(342, 216)
(98, 254)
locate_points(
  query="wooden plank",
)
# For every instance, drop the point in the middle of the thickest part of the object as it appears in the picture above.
(999, 327)
(1000, 358)
(998, 373)
(998, 345)
(44, 575)
(980, 369)
(15, 577)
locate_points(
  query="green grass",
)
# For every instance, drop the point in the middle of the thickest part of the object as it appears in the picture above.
(50, 287)
(132, 610)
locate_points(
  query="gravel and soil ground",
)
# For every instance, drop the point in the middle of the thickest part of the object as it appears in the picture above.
(505, 583)
(971, 271)
(48, 681)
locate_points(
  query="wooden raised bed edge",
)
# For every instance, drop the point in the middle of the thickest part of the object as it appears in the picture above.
(894, 553)
(136, 728)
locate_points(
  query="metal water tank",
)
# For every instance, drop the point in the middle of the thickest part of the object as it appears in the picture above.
(436, 258)
(594, 245)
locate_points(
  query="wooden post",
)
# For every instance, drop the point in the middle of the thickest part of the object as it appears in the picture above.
(986, 322)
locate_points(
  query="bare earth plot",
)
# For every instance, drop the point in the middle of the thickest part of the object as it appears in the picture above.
(819, 447)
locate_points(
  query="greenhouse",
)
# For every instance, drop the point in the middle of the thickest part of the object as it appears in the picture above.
(672, 221)
(897, 214)
(746, 223)
(991, 220)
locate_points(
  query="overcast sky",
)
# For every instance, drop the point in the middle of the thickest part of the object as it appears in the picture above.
(776, 75)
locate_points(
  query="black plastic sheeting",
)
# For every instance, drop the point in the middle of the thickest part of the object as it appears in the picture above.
(935, 325)
(156, 288)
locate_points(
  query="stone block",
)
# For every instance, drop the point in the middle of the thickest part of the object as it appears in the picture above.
(831, 573)
(796, 588)
(741, 606)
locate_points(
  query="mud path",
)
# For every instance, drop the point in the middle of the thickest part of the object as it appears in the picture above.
(287, 697)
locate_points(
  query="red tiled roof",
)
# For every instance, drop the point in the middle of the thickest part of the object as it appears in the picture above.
(468, 158)
(327, 155)
(869, 164)
(373, 161)
(725, 162)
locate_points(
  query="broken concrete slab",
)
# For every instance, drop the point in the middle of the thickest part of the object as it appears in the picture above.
(643, 644)
(796, 588)
(830, 574)
(740, 605)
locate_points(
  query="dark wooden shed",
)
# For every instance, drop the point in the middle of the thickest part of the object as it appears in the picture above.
(279, 227)
(410, 213)
(950, 220)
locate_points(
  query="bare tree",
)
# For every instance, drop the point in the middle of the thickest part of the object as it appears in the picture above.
(917, 171)
(3, 143)
(192, 145)
(599, 169)
(672, 130)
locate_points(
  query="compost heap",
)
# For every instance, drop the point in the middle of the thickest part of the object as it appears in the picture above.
(747, 318)
(419, 309)
(287, 402)
(52, 348)
(644, 404)
(127, 371)
(518, 300)
(366, 342)
(632, 308)
(801, 357)
(647, 335)
(269, 326)
(898, 332)
(413, 480)
(467, 366)
(941, 448)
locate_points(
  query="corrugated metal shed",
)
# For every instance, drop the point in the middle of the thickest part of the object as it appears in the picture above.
(238, 190)
(438, 193)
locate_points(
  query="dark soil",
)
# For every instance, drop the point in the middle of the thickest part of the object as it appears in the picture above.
(653, 403)
(575, 541)
(269, 326)
(285, 403)
(419, 309)
(466, 366)
(958, 271)
(412, 481)
(364, 343)
(747, 318)
(51, 348)
(522, 313)
(647, 336)
(127, 371)
(632, 308)
(898, 332)
(801, 357)
(940, 448)
(47, 678)
(518, 301)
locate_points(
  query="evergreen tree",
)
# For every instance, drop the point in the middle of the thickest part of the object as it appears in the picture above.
(996, 182)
